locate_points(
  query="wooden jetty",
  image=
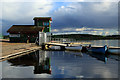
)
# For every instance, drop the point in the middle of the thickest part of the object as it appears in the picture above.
(19, 54)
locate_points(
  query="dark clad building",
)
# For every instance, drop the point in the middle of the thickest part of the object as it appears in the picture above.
(24, 33)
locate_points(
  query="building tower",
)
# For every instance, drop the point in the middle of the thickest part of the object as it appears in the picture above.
(44, 22)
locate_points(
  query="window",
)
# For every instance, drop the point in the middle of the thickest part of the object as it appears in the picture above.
(14, 35)
(46, 23)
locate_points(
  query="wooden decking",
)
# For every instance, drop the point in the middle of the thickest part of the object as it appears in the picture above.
(19, 53)
(10, 50)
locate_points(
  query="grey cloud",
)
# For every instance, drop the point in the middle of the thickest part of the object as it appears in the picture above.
(90, 14)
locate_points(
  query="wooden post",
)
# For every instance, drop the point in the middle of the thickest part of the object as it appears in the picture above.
(84, 49)
(43, 47)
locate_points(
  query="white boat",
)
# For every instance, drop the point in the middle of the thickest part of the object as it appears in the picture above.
(74, 48)
(115, 51)
(55, 47)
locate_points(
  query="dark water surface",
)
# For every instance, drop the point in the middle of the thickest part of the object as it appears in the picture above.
(60, 64)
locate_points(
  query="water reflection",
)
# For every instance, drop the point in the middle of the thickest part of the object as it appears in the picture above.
(98, 56)
(101, 57)
(40, 60)
(60, 64)
(115, 57)
(80, 54)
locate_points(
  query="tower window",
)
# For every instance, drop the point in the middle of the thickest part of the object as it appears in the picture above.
(46, 23)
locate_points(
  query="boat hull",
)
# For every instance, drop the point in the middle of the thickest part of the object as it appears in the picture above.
(97, 49)
(114, 51)
(74, 48)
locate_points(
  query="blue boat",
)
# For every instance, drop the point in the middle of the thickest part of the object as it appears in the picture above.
(97, 49)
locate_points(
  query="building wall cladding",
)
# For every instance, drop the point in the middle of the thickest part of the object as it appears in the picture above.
(24, 38)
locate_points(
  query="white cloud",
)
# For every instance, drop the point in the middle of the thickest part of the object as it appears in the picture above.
(85, 30)
(21, 11)
(100, 33)
(97, 29)
(117, 33)
(94, 31)
(26, 0)
(62, 7)
(86, 0)
(81, 29)
(107, 33)
(104, 6)
(0, 27)
(54, 30)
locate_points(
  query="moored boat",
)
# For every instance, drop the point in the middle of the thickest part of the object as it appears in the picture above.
(115, 51)
(97, 49)
(74, 48)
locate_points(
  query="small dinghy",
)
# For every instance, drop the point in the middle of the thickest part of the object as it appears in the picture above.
(74, 48)
(97, 49)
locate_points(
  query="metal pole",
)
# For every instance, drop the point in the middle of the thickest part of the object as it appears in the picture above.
(45, 37)
(39, 37)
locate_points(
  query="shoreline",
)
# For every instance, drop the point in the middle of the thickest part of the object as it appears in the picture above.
(11, 50)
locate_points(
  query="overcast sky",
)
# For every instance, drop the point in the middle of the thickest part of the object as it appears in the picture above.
(75, 16)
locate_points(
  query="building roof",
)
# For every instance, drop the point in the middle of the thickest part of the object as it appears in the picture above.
(24, 29)
(42, 18)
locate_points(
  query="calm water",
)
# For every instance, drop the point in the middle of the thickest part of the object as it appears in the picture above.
(104, 42)
(61, 64)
